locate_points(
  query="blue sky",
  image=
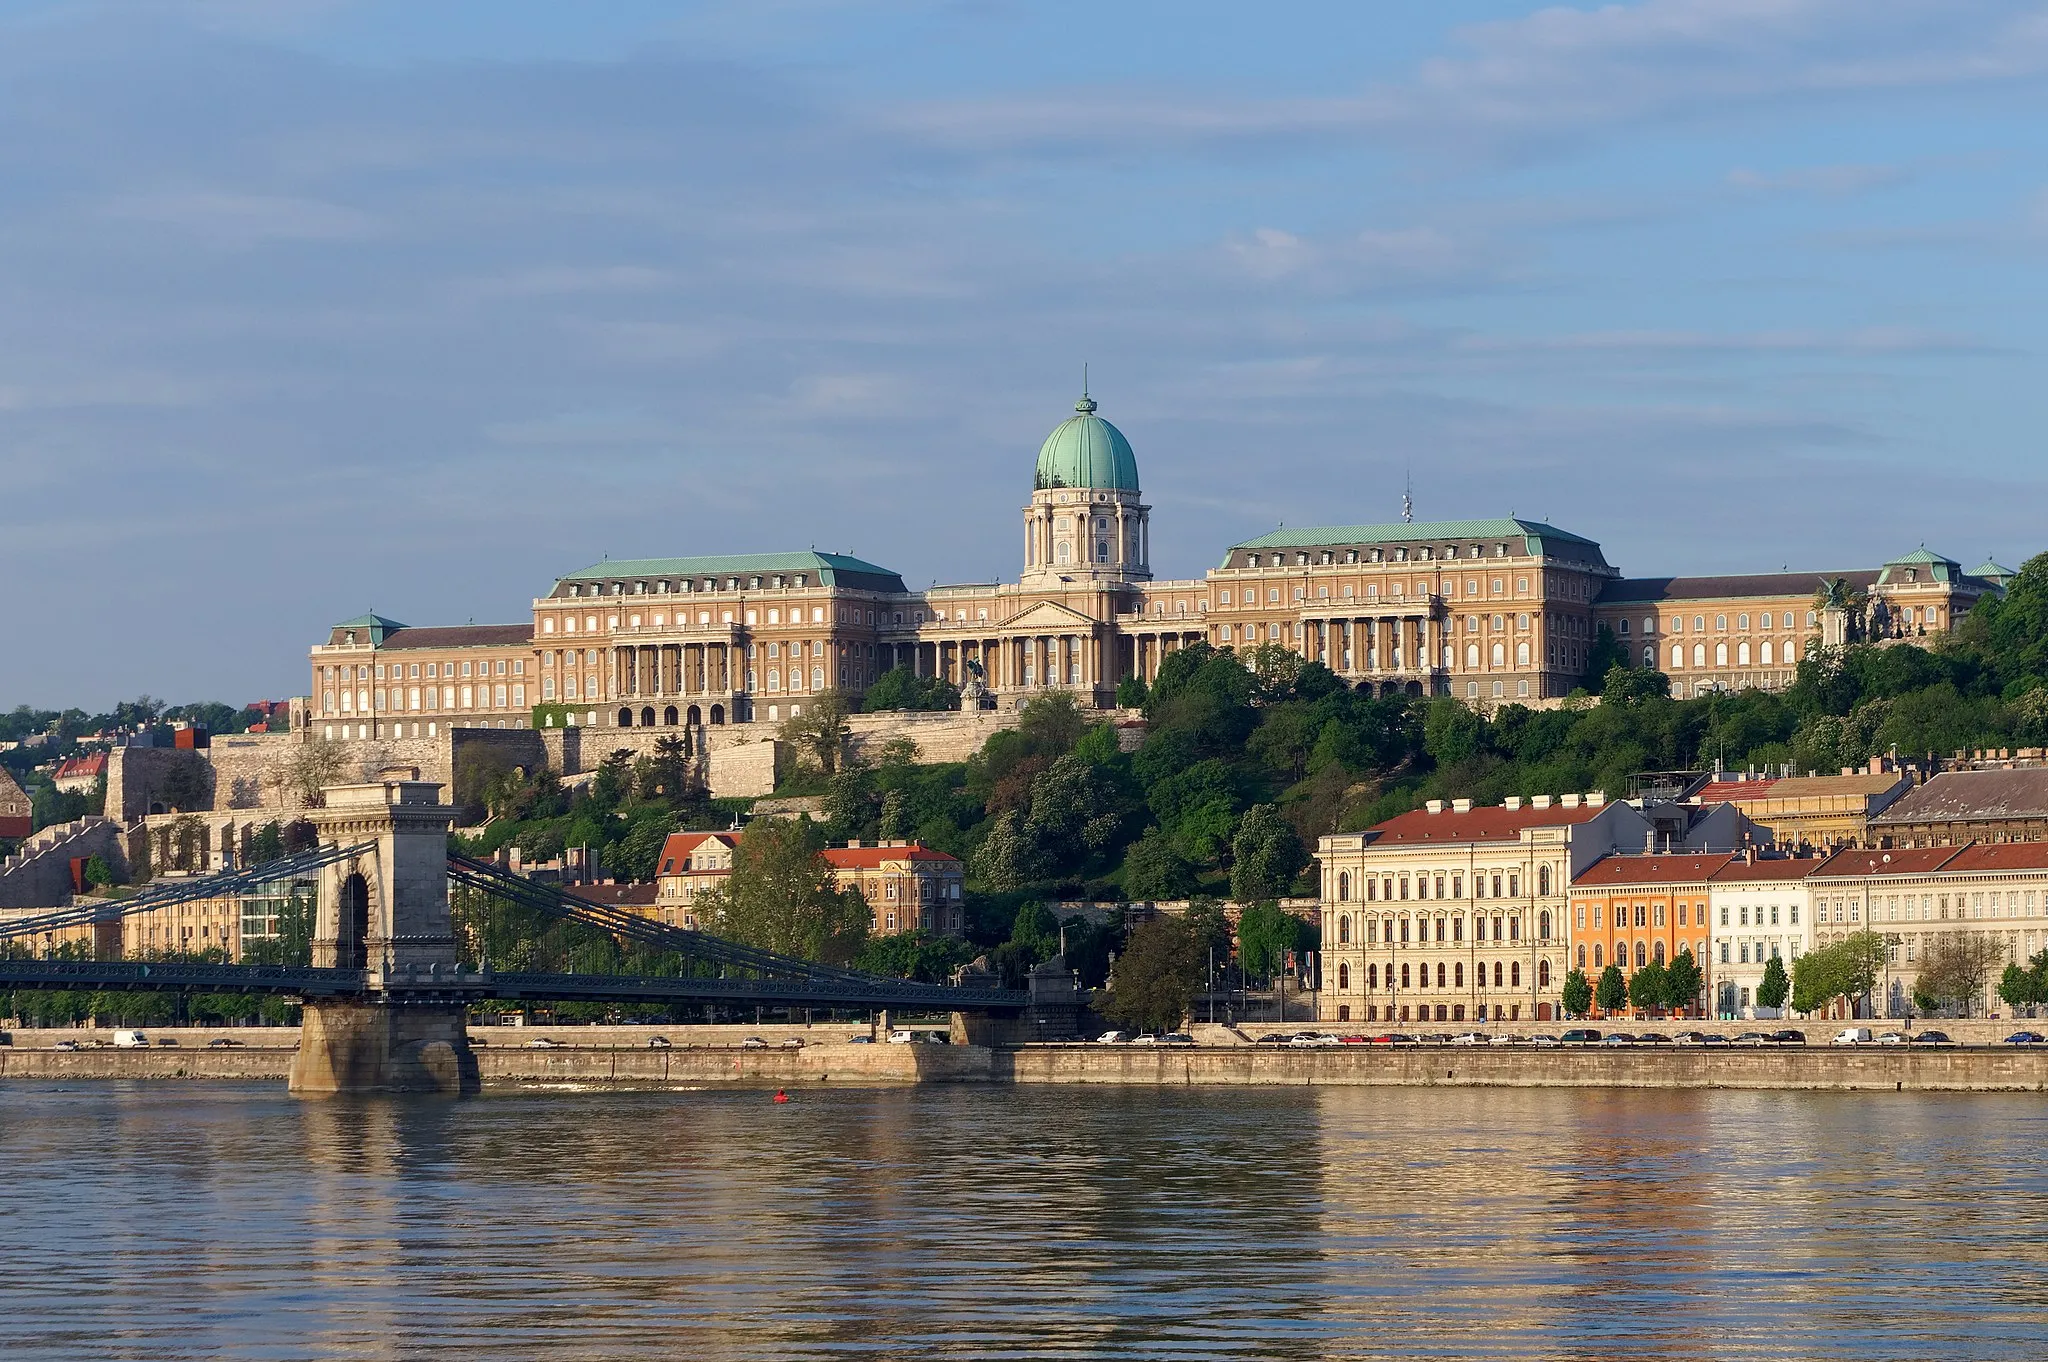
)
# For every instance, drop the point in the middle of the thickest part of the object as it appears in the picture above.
(309, 306)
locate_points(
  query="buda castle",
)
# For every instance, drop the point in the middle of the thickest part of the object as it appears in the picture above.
(1494, 611)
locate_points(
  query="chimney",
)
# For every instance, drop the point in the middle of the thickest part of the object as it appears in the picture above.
(1570, 801)
(1649, 841)
(1511, 803)
(1434, 805)
(1596, 799)
(1461, 806)
(512, 859)
(853, 843)
(1539, 801)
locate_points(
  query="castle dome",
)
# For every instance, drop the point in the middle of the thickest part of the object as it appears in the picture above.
(1086, 451)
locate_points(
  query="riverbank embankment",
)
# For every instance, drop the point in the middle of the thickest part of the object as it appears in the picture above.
(1858, 1068)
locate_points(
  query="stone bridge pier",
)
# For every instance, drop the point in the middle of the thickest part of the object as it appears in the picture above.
(386, 912)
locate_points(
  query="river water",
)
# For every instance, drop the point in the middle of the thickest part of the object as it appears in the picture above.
(191, 1220)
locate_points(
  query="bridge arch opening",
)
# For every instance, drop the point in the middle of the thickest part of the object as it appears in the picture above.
(352, 924)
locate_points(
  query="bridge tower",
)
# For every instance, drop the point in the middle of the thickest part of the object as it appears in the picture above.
(385, 912)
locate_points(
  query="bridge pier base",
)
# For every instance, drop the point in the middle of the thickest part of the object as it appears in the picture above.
(381, 1047)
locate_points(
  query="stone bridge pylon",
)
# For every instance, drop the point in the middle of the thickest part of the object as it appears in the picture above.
(386, 912)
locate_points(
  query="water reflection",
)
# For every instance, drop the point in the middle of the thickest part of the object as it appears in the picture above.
(187, 1221)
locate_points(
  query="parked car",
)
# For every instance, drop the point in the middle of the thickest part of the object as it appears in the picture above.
(905, 1037)
(1275, 1038)
(1788, 1037)
(543, 1043)
(1892, 1038)
(1713, 1038)
(1854, 1035)
(65, 1045)
(222, 1043)
(1315, 1040)
(792, 1042)
(860, 1040)
(1613, 1038)
(1580, 1035)
(753, 1043)
(1353, 1040)
(1505, 1040)
(1690, 1038)
(1652, 1038)
(2024, 1038)
(1468, 1038)
(659, 1043)
(1931, 1038)
(1106, 1038)
(1542, 1040)
(131, 1040)
(1176, 1038)
(171, 1042)
(1752, 1038)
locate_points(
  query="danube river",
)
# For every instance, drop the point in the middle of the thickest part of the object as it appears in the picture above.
(192, 1220)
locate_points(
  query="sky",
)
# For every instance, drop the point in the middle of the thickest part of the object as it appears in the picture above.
(313, 307)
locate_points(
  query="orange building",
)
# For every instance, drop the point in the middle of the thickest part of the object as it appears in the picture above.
(691, 863)
(1631, 911)
(911, 887)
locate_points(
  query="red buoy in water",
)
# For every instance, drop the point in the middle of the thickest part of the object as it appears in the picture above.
(781, 1096)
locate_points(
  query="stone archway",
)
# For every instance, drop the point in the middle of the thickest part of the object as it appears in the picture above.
(647, 717)
(352, 923)
(625, 718)
(718, 714)
(694, 716)
(669, 716)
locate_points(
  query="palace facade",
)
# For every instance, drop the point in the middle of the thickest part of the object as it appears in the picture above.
(1496, 610)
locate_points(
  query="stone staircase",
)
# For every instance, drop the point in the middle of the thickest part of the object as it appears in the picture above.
(39, 874)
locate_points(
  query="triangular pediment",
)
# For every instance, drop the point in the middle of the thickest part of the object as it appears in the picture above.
(1048, 617)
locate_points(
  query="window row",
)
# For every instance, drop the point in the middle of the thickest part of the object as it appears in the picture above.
(1391, 886)
(1448, 974)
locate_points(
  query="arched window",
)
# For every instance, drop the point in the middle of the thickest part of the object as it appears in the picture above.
(1720, 654)
(1543, 974)
(1344, 888)
(1649, 655)
(1582, 957)
(1677, 656)
(1500, 655)
(1065, 551)
(1543, 887)
(1657, 952)
(1699, 654)
(1496, 974)
(1372, 976)
(1766, 659)
(1742, 654)
(1344, 930)
(1642, 956)
(1404, 976)
(1472, 656)
(1439, 974)
(1596, 956)
(1458, 974)
(1343, 976)
(1521, 654)
(1515, 974)
(1543, 924)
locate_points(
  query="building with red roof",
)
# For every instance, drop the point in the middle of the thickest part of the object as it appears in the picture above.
(909, 886)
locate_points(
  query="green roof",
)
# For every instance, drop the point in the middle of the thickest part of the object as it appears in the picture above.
(831, 569)
(1993, 571)
(377, 626)
(1086, 451)
(1534, 533)
(1940, 569)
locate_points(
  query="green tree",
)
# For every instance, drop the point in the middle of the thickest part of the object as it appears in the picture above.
(1955, 966)
(1052, 723)
(1155, 979)
(1771, 990)
(781, 897)
(1130, 693)
(819, 734)
(900, 688)
(1005, 859)
(1612, 992)
(1818, 977)
(1577, 994)
(1155, 869)
(2016, 986)
(671, 777)
(313, 766)
(1647, 988)
(1682, 981)
(186, 786)
(1266, 855)
(1602, 658)
(1265, 933)
(915, 955)
(98, 873)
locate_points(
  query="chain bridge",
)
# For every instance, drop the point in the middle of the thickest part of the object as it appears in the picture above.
(408, 936)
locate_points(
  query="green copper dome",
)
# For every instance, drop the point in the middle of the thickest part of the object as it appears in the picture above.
(1086, 451)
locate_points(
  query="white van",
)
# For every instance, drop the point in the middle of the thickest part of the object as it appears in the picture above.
(1855, 1035)
(130, 1040)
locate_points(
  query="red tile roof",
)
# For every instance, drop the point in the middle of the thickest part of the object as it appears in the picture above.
(1626, 870)
(872, 858)
(1490, 824)
(1721, 791)
(1897, 861)
(1773, 870)
(678, 846)
(1981, 856)
(91, 765)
